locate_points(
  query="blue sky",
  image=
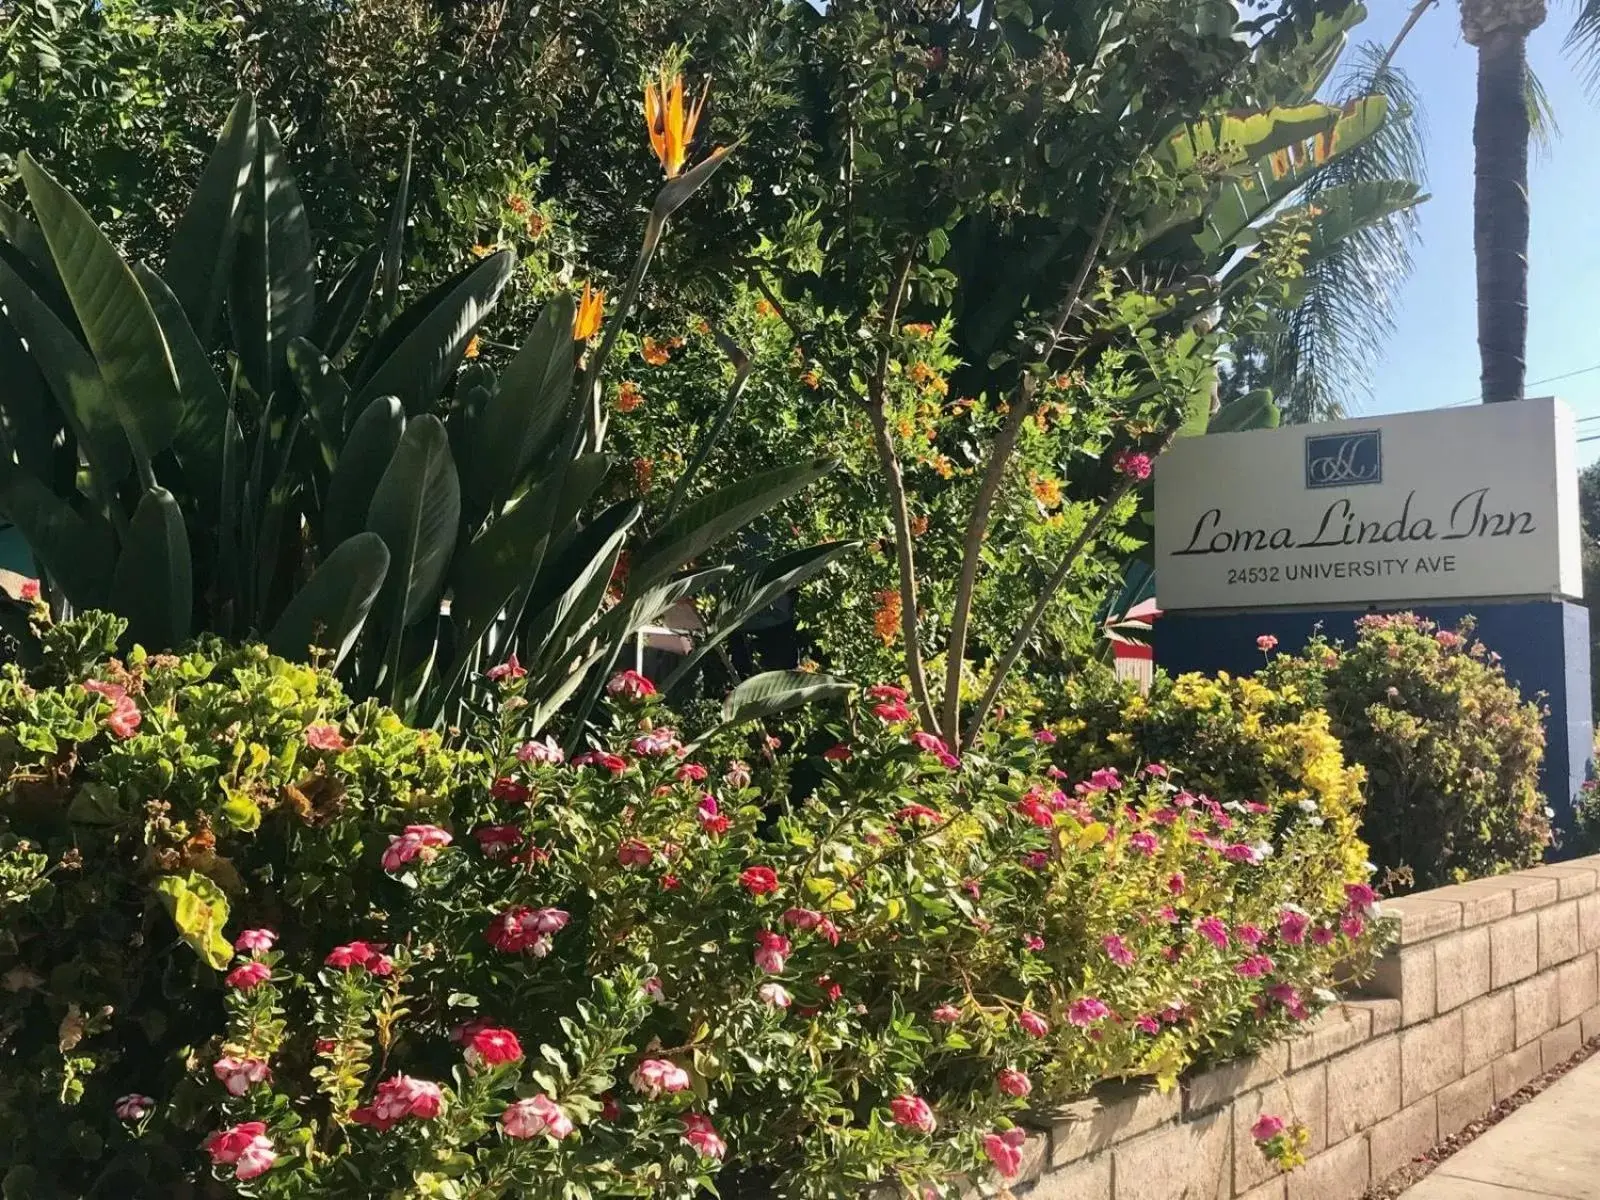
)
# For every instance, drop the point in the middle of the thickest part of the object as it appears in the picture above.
(1433, 358)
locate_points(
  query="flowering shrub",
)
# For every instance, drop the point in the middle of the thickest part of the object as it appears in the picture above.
(1450, 748)
(467, 971)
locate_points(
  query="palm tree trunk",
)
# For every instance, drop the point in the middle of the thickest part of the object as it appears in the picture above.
(1500, 132)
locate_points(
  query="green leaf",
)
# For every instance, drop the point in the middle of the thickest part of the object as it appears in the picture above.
(341, 313)
(273, 296)
(240, 811)
(514, 429)
(198, 443)
(75, 551)
(153, 585)
(362, 462)
(416, 509)
(708, 520)
(326, 395)
(676, 192)
(755, 591)
(200, 259)
(200, 911)
(28, 240)
(72, 375)
(331, 609)
(394, 242)
(117, 319)
(1254, 410)
(774, 692)
(569, 588)
(432, 338)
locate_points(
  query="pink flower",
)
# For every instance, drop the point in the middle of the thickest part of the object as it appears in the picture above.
(1014, 1083)
(1292, 926)
(29, 591)
(1322, 936)
(634, 853)
(758, 880)
(246, 1148)
(1036, 860)
(892, 711)
(124, 722)
(946, 1014)
(1360, 896)
(831, 991)
(1266, 1127)
(1045, 737)
(397, 1098)
(1175, 884)
(691, 773)
(1086, 1010)
(546, 753)
(250, 941)
(1239, 853)
(491, 1047)
(701, 1134)
(709, 813)
(239, 1075)
(533, 1116)
(1351, 925)
(1033, 807)
(630, 685)
(418, 841)
(1289, 996)
(1106, 779)
(1032, 1023)
(737, 774)
(1032, 941)
(510, 669)
(1117, 950)
(774, 995)
(1213, 930)
(655, 1077)
(1254, 967)
(913, 1112)
(248, 975)
(1148, 1024)
(520, 930)
(368, 956)
(914, 814)
(1248, 935)
(321, 736)
(1005, 1151)
(614, 763)
(1444, 637)
(133, 1107)
(1135, 466)
(887, 691)
(929, 743)
(772, 951)
(497, 841)
(1144, 842)
(657, 743)
(1266, 643)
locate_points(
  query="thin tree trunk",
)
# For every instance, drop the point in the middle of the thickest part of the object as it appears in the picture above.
(1500, 133)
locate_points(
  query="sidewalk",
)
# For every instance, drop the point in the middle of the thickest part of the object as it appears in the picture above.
(1550, 1147)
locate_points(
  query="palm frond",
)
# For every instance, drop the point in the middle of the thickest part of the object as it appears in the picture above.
(1583, 43)
(1542, 125)
(1319, 365)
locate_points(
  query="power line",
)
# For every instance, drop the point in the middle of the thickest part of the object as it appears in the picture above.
(1534, 383)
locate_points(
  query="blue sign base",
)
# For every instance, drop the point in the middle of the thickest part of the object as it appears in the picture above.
(1543, 645)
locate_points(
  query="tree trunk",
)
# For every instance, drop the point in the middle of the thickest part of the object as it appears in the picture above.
(1500, 211)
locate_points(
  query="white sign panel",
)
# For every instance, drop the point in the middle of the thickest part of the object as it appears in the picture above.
(1457, 503)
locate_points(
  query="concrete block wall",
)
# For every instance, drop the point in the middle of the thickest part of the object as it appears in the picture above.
(1487, 985)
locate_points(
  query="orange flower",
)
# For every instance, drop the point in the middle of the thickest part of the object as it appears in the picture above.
(1047, 492)
(918, 329)
(764, 308)
(517, 205)
(629, 397)
(591, 308)
(644, 471)
(671, 124)
(811, 380)
(919, 526)
(482, 251)
(472, 347)
(886, 621)
(655, 353)
(536, 226)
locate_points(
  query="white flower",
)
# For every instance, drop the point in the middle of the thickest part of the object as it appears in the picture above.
(1261, 851)
(1308, 805)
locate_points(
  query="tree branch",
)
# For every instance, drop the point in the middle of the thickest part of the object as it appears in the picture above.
(994, 474)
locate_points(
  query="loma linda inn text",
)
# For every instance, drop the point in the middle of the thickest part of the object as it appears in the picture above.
(1472, 516)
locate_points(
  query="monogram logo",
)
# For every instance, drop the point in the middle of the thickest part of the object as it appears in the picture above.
(1344, 459)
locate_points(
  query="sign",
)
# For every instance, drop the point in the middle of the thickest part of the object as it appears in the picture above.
(1457, 503)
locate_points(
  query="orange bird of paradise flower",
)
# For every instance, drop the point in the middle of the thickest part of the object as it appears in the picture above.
(672, 125)
(591, 308)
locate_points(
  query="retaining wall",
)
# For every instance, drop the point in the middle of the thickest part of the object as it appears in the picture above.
(1488, 985)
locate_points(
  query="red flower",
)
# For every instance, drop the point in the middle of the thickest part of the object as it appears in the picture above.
(30, 590)
(526, 930)
(510, 669)
(670, 882)
(634, 853)
(614, 763)
(759, 881)
(691, 773)
(497, 841)
(246, 1148)
(1033, 807)
(509, 791)
(610, 1110)
(400, 1097)
(1005, 1151)
(915, 813)
(367, 955)
(892, 711)
(1133, 465)
(702, 1135)
(913, 1112)
(491, 1047)
(710, 815)
(1014, 1083)
(248, 975)
(839, 753)
(322, 736)
(630, 685)
(886, 691)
